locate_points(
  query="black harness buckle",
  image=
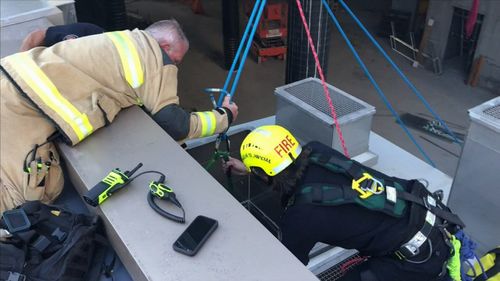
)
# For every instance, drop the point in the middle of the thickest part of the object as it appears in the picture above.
(16, 220)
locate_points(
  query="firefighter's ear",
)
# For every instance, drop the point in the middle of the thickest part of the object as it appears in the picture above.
(166, 47)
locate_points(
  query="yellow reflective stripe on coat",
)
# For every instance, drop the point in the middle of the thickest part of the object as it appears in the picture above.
(208, 123)
(129, 58)
(49, 94)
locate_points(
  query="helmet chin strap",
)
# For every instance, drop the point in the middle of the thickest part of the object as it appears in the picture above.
(261, 175)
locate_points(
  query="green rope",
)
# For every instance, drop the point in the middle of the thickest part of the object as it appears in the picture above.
(224, 155)
(454, 260)
(217, 155)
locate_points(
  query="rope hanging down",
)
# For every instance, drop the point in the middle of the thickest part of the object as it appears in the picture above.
(374, 83)
(320, 71)
(399, 72)
(246, 41)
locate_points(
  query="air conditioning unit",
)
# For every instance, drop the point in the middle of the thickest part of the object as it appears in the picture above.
(19, 18)
(476, 187)
(303, 109)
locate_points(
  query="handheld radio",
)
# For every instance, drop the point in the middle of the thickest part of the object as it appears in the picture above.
(116, 180)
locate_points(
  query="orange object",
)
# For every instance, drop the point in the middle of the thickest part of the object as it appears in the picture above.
(197, 7)
(269, 40)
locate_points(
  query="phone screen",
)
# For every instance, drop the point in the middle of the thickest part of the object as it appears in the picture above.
(195, 235)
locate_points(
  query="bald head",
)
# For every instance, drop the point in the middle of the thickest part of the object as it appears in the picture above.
(171, 38)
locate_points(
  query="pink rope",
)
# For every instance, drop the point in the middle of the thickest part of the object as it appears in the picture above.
(325, 87)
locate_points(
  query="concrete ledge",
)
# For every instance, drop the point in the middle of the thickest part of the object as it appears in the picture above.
(240, 249)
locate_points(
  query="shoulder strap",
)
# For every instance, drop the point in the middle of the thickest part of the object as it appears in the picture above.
(318, 193)
(435, 209)
(335, 164)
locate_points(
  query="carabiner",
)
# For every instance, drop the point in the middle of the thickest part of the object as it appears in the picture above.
(211, 92)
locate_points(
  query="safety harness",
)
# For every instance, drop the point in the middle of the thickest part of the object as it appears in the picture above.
(47, 243)
(382, 193)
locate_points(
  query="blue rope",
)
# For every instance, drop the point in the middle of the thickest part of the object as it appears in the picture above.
(240, 48)
(247, 48)
(398, 70)
(467, 253)
(374, 83)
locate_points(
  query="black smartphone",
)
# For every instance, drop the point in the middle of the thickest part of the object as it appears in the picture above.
(195, 235)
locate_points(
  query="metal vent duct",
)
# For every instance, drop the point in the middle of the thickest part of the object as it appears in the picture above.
(493, 111)
(303, 109)
(475, 190)
(311, 92)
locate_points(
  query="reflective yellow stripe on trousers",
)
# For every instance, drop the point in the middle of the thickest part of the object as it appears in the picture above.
(208, 123)
(129, 58)
(48, 93)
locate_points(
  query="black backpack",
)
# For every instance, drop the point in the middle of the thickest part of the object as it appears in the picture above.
(48, 243)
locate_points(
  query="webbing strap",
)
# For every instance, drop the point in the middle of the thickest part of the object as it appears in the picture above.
(50, 95)
(321, 194)
(412, 247)
(347, 165)
(129, 57)
(448, 216)
(390, 192)
(11, 276)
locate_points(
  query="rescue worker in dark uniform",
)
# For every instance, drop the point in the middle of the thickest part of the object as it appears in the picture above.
(331, 199)
(50, 36)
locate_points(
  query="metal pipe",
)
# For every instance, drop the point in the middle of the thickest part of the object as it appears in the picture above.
(300, 62)
(230, 30)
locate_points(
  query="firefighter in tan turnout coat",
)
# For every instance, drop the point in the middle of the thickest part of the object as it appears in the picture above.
(75, 87)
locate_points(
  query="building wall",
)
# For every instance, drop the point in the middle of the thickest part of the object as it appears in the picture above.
(489, 38)
(409, 6)
(381, 6)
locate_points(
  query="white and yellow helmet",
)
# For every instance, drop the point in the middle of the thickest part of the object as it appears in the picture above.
(271, 148)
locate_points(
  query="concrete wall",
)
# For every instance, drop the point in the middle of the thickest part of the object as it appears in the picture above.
(404, 5)
(489, 37)
(409, 6)
(381, 6)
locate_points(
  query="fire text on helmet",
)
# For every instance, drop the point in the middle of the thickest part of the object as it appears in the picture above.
(284, 146)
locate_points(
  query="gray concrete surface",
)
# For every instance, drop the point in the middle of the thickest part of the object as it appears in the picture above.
(447, 94)
(240, 249)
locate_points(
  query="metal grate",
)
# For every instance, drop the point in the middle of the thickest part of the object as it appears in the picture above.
(493, 111)
(337, 271)
(311, 92)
